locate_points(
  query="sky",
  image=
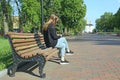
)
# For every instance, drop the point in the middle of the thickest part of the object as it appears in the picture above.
(96, 8)
(15, 12)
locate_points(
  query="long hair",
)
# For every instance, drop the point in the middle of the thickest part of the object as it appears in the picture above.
(52, 18)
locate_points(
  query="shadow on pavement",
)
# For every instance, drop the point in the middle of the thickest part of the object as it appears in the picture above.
(28, 68)
(108, 42)
(98, 42)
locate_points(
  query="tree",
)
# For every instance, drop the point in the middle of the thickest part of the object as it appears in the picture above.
(72, 12)
(104, 23)
(53, 7)
(117, 19)
(6, 11)
(30, 14)
(1, 21)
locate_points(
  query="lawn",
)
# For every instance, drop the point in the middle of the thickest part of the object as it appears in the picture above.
(5, 54)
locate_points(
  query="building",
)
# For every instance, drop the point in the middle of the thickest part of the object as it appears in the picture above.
(15, 20)
(89, 28)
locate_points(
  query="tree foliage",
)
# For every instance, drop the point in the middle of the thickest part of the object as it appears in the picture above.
(30, 13)
(108, 22)
(104, 22)
(117, 19)
(71, 13)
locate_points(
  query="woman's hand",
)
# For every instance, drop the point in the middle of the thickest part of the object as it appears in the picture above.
(60, 35)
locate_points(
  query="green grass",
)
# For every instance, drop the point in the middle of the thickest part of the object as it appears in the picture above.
(5, 54)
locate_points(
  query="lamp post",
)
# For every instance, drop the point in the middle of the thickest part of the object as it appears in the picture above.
(42, 16)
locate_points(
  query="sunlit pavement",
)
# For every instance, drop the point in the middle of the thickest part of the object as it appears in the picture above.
(96, 57)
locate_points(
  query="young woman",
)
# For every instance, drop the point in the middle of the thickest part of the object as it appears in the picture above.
(53, 40)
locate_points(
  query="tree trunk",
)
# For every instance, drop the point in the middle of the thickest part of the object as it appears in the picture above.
(5, 14)
(5, 25)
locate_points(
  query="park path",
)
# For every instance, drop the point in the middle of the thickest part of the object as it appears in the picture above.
(97, 57)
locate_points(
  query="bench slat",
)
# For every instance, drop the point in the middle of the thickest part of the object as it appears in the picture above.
(48, 51)
(13, 33)
(27, 50)
(42, 41)
(26, 47)
(51, 54)
(31, 54)
(23, 44)
(23, 40)
(22, 36)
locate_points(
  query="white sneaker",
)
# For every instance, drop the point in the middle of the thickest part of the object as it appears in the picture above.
(70, 53)
(64, 62)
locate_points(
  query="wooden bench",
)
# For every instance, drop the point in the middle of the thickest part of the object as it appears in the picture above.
(29, 47)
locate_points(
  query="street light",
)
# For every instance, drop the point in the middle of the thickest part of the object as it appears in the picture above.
(42, 16)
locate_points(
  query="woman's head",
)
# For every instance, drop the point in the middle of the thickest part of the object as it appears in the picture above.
(53, 19)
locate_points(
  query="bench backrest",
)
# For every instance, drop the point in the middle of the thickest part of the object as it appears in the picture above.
(22, 43)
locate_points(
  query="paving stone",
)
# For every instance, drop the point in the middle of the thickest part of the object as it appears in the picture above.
(97, 57)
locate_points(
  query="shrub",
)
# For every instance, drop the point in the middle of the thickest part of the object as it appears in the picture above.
(5, 54)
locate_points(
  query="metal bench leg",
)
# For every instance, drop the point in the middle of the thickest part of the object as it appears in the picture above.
(41, 62)
(12, 69)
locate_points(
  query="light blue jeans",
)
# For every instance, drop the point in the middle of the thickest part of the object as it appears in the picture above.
(62, 45)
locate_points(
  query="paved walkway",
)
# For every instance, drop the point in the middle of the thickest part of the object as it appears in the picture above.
(96, 58)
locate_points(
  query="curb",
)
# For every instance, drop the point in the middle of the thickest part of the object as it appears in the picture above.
(3, 73)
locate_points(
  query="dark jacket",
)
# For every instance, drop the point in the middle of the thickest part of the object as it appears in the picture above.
(50, 36)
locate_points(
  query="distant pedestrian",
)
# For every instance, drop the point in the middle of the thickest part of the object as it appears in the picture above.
(21, 30)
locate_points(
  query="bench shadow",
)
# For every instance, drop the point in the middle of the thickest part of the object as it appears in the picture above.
(28, 68)
(55, 59)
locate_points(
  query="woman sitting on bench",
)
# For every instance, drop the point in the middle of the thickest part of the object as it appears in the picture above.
(52, 40)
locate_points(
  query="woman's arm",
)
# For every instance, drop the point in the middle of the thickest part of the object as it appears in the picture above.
(53, 33)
